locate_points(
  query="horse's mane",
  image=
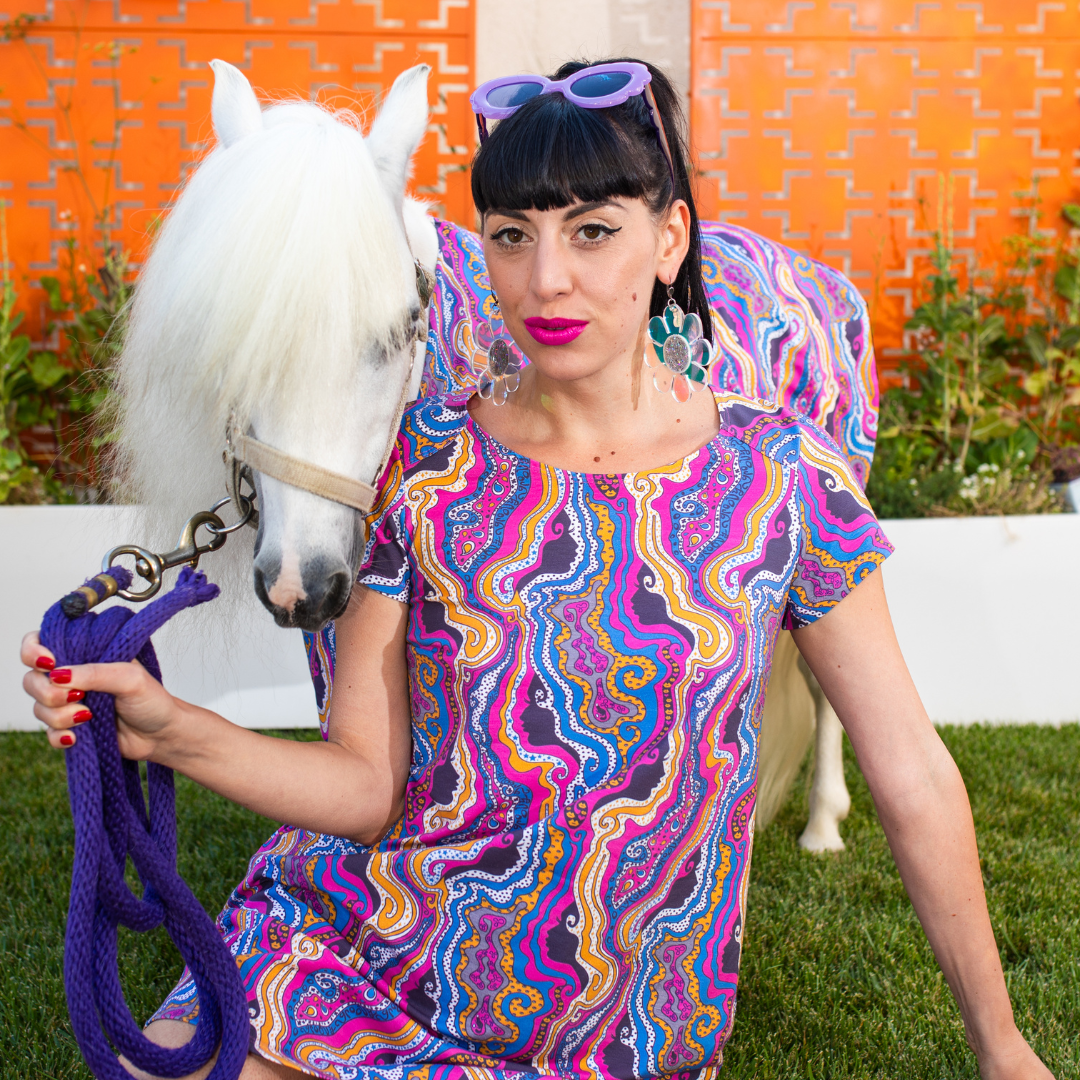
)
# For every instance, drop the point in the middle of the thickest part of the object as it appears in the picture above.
(268, 280)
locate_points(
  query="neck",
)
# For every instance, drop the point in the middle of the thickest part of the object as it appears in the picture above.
(598, 405)
(611, 421)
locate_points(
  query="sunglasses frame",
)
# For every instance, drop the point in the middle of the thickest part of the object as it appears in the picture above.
(640, 78)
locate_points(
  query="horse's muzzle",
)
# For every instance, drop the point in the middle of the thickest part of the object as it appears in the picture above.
(322, 595)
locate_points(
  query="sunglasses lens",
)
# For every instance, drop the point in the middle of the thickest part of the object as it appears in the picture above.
(598, 86)
(510, 97)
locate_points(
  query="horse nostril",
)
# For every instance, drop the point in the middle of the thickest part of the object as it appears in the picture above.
(283, 616)
(327, 594)
(260, 586)
(337, 595)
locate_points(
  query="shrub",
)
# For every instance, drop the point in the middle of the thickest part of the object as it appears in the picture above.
(986, 421)
(55, 405)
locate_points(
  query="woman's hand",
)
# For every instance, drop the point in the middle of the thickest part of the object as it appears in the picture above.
(144, 708)
(1011, 1059)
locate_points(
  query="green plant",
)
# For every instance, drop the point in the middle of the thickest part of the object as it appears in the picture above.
(1050, 344)
(25, 379)
(67, 390)
(70, 392)
(91, 320)
(987, 418)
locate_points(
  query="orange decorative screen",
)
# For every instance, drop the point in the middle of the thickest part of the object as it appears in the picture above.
(833, 125)
(104, 104)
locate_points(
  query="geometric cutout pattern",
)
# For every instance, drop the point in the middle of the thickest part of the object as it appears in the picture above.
(135, 73)
(831, 126)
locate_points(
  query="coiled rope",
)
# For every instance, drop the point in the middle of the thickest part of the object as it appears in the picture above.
(113, 823)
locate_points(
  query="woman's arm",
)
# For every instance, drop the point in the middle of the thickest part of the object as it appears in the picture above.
(924, 810)
(352, 785)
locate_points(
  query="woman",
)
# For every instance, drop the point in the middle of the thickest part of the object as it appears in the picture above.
(524, 848)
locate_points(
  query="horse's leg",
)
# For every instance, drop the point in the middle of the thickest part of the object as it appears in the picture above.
(175, 1033)
(829, 798)
(787, 726)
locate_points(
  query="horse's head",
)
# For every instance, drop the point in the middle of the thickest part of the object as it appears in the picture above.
(281, 292)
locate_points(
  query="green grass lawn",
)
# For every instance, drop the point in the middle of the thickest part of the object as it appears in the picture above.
(837, 979)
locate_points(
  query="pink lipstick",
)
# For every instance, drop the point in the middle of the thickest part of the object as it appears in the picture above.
(555, 331)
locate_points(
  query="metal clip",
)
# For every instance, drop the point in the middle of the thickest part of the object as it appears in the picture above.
(151, 566)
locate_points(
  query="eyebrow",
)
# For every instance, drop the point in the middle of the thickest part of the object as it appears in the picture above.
(573, 212)
(586, 208)
(517, 215)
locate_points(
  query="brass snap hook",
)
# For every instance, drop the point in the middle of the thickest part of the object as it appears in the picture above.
(150, 566)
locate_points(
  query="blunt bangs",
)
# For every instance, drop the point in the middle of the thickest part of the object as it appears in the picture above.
(551, 153)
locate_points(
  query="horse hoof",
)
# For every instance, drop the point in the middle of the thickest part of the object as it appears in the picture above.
(820, 839)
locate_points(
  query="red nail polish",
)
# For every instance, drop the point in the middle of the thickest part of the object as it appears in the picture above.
(75, 695)
(61, 675)
(67, 740)
(45, 663)
(82, 716)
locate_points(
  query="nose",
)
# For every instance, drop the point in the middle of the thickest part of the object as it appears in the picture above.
(551, 275)
(322, 596)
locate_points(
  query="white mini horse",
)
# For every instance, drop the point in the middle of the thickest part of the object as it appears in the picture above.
(281, 296)
(281, 292)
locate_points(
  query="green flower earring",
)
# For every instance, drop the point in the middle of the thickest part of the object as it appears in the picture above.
(682, 351)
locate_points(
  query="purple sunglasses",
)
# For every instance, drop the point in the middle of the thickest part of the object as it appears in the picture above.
(597, 87)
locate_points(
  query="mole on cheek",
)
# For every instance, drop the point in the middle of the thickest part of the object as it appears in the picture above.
(633, 296)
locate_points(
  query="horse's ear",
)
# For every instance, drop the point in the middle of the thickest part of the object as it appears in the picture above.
(400, 128)
(234, 107)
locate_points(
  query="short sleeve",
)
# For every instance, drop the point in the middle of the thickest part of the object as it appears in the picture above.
(841, 540)
(385, 566)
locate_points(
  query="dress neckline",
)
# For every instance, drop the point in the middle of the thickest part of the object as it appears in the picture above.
(482, 436)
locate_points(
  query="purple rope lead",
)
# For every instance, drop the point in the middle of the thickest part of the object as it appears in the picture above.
(113, 823)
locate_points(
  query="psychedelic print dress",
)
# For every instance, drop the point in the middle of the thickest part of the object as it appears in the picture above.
(564, 894)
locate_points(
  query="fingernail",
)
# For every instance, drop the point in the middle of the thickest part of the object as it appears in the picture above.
(61, 675)
(75, 695)
(67, 740)
(82, 716)
(45, 663)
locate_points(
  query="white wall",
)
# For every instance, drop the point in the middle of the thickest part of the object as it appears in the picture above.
(515, 36)
(986, 613)
(256, 676)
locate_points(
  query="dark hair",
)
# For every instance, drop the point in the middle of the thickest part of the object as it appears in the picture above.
(551, 153)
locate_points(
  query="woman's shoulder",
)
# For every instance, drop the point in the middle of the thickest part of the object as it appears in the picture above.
(430, 426)
(787, 437)
(773, 430)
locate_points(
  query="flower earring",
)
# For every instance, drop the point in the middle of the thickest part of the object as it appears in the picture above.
(682, 352)
(502, 375)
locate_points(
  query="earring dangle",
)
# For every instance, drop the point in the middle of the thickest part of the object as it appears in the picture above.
(682, 352)
(502, 374)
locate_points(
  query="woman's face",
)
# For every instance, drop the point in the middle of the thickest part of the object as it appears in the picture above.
(574, 284)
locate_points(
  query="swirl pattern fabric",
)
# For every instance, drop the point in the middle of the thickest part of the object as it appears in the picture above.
(564, 894)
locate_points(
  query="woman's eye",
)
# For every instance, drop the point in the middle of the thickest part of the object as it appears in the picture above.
(595, 232)
(510, 236)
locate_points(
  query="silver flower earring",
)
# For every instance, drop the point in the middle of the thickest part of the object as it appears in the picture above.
(682, 352)
(502, 375)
